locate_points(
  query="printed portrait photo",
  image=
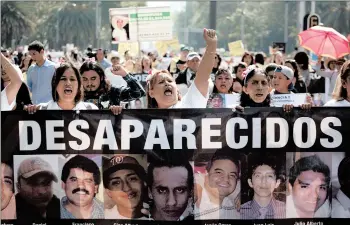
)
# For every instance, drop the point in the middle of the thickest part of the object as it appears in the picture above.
(217, 185)
(37, 187)
(340, 185)
(263, 186)
(81, 194)
(170, 183)
(309, 192)
(125, 183)
(120, 28)
(216, 101)
(8, 201)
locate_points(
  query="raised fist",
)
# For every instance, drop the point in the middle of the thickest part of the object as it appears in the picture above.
(210, 36)
(119, 70)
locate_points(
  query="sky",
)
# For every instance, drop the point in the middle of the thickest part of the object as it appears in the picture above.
(174, 5)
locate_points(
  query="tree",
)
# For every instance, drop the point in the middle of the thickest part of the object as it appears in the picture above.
(14, 24)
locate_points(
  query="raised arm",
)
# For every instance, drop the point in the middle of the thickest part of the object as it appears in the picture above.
(205, 67)
(15, 79)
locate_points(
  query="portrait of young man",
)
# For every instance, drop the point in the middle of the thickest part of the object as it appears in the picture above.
(308, 184)
(216, 197)
(35, 199)
(170, 182)
(81, 178)
(8, 202)
(124, 180)
(263, 179)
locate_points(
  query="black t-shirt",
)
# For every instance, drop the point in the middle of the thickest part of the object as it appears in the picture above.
(179, 62)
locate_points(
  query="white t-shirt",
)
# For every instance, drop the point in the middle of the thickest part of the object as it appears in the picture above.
(120, 34)
(340, 206)
(341, 103)
(51, 105)
(5, 106)
(192, 99)
(113, 213)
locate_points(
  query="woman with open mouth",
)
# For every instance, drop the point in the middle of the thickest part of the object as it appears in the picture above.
(162, 91)
(67, 92)
(255, 89)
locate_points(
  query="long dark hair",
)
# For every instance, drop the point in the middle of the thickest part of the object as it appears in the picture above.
(57, 77)
(292, 62)
(215, 69)
(87, 66)
(218, 73)
(344, 74)
(246, 100)
(250, 55)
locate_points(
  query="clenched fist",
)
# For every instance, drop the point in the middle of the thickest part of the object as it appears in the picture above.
(210, 36)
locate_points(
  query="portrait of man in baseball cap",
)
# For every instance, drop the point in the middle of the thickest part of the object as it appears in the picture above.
(35, 198)
(124, 180)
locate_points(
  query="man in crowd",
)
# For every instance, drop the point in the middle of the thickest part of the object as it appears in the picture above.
(308, 184)
(116, 81)
(170, 182)
(102, 61)
(8, 202)
(124, 180)
(263, 179)
(216, 197)
(341, 203)
(186, 77)
(39, 76)
(104, 95)
(35, 199)
(181, 63)
(80, 180)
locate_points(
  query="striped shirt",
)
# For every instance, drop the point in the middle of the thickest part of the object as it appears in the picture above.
(97, 210)
(274, 210)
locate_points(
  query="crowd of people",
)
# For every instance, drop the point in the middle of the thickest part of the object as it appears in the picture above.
(92, 82)
(31, 81)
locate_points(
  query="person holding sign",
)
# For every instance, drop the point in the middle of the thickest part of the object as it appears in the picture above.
(308, 183)
(125, 182)
(264, 180)
(99, 92)
(256, 88)
(282, 80)
(67, 92)
(217, 196)
(162, 91)
(80, 180)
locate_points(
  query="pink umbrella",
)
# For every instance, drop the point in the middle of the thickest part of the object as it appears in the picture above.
(324, 41)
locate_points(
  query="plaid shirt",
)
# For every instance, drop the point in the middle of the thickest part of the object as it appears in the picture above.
(115, 95)
(97, 210)
(275, 210)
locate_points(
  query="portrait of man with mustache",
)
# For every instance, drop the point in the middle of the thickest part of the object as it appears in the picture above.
(80, 181)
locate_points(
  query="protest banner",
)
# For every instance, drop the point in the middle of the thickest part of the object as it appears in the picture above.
(236, 48)
(133, 47)
(217, 100)
(164, 46)
(292, 99)
(140, 24)
(86, 158)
